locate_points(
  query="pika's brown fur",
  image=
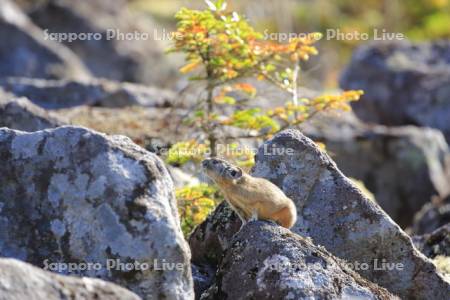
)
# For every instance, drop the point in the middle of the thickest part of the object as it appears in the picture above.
(251, 197)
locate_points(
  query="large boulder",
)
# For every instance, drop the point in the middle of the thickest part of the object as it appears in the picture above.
(24, 51)
(21, 114)
(403, 83)
(19, 280)
(74, 196)
(335, 214)
(57, 94)
(266, 261)
(125, 46)
(379, 156)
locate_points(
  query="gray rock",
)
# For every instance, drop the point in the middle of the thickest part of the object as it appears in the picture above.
(432, 216)
(25, 51)
(181, 178)
(105, 6)
(112, 56)
(266, 261)
(402, 166)
(203, 276)
(211, 238)
(71, 195)
(434, 243)
(335, 214)
(21, 114)
(19, 280)
(55, 94)
(404, 83)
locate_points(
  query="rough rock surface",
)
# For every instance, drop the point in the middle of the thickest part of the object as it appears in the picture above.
(266, 261)
(380, 155)
(19, 280)
(24, 51)
(71, 195)
(56, 94)
(335, 214)
(113, 56)
(403, 83)
(21, 114)
(432, 216)
(210, 239)
(203, 276)
(434, 243)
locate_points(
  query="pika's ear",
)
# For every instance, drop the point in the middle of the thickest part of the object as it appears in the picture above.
(236, 173)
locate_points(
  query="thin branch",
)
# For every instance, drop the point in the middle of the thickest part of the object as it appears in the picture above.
(294, 86)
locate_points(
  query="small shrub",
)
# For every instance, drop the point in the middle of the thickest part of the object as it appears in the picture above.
(222, 50)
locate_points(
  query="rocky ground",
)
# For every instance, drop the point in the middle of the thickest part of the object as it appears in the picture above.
(83, 181)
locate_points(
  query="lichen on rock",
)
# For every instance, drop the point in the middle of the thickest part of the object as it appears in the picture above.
(74, 195)
(335, 214)
(266, 261)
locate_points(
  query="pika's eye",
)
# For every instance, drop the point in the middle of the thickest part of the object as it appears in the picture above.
(215, 162)
(233, 173)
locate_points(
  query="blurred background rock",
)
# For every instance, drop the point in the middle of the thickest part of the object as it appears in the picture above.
(419, 20)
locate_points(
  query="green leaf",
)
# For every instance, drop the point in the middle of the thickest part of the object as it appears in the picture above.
(199, 113)
(221, 4)
(228, 100)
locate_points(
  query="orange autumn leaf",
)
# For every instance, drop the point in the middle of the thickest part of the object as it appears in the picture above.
(246, 88)
(189, 67)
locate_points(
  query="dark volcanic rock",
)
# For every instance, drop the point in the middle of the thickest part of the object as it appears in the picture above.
(266, 261)
(21, 114)
(380, 156)
(112, 56)
(404, 83)
(55, 94)
(203, 276)
(208, 243)
(71, 195)
(24, 51)
(19, 281)
(432, 216)
(434, 243)
(210, 239)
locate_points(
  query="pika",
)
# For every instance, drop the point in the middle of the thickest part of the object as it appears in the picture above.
(252, 198)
